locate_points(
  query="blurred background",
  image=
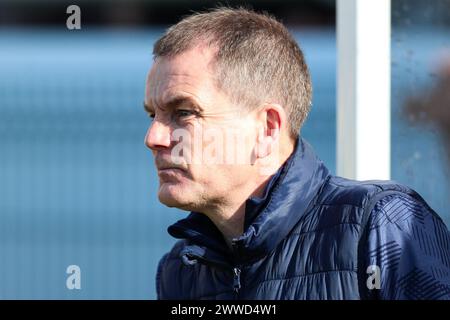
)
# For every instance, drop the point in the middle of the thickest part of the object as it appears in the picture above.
(77, 185)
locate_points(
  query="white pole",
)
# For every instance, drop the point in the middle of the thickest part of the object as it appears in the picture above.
(363, 89)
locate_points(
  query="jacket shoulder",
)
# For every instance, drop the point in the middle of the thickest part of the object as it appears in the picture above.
(344, 201)
(409, 243)
(400, 208)
(341, 191)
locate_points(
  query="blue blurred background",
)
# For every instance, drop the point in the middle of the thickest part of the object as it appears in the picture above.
(77, 185)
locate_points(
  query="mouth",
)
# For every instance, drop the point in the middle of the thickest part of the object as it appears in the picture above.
(166, 168)
(170, 171)
(163, 167)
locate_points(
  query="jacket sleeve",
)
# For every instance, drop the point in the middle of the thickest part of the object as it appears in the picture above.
(406, 252)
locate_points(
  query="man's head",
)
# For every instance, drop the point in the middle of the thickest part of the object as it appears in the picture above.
(230, 87)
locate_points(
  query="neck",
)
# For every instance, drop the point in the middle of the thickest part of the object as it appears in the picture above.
(230, 222)
(229, 217)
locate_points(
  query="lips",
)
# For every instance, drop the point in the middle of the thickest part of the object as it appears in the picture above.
(171, 174)
(169, 167)
(168, 170)
(166, 164)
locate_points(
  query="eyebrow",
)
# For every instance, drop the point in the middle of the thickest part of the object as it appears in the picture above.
(174, 102)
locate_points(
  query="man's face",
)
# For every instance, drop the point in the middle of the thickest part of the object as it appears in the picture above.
(201, 143)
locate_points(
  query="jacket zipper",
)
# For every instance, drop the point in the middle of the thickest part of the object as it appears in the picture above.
(237, 269)
(236, 280)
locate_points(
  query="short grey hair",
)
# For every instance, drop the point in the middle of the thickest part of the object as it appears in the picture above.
(257, 59)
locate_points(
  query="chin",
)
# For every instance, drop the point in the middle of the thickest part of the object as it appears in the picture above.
(174, 197)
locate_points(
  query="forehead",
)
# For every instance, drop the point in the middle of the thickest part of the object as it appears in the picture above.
(189, 73)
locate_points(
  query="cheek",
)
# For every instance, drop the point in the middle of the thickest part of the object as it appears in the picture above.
(220, 179)
(208, 178)
(207, 146)
(233, 145)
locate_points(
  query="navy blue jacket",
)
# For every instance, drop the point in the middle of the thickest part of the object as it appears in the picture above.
(314, 236)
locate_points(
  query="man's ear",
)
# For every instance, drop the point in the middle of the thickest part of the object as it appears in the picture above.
(272, 118)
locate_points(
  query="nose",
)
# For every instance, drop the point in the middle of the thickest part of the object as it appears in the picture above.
(158, 136)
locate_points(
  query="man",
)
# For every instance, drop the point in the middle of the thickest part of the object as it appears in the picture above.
(229, 91)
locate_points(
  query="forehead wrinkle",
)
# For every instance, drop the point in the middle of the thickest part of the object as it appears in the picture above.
(174, 101)
(180, 99)
(171, 96)
(169, 78)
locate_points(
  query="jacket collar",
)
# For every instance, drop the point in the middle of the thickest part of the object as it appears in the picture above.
(268, 220)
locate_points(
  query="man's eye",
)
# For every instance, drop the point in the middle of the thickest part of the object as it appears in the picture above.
(151, 115)
(184, 113)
